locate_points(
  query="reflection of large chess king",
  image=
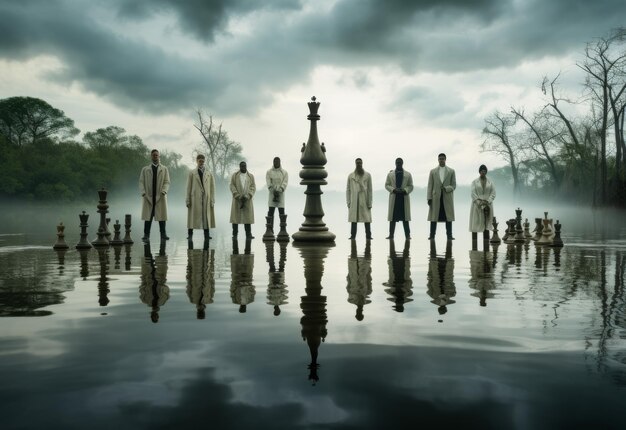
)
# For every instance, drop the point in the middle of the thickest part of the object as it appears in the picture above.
(153, 291)
(242, 290)
(359, 278)
(440, 278)
(400, 285)
(201, 278)
(481, 275)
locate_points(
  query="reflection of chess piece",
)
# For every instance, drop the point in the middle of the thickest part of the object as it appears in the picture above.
(103, 282)
(200, 278)
(400, 285)
(242, 290)
(84, 263)
(481, 276)
(359, 279)
(127, 258)
(117, 256)
(313, 304)
(557, 256)
(153, 291)
(440, 280)
(83, 243)
(276, 288)
(495, 238)
(61, 259)
(60, 244)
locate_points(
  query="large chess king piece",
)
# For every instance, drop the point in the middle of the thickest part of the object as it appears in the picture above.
(313, 175)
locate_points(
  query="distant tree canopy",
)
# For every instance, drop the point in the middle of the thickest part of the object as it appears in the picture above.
(561, 152)
(39, 161)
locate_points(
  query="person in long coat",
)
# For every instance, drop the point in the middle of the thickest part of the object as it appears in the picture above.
(276, 179)
(242, 187)
(200, 199)
(481, 212)
(399, 183)
(154, 183)
(440, 197)
(359, 199)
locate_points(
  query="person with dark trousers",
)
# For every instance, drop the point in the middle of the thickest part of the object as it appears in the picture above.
(154, 183)
(359, 199)
(242, 187)
(399, 183)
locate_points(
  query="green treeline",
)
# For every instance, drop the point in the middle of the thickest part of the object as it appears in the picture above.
(573, 146)
(41, 161)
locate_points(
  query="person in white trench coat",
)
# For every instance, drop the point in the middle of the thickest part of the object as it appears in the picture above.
(242, 187)
(200, 199)
(359, 199)
(276, 180)
(154, 183)
(481, 212)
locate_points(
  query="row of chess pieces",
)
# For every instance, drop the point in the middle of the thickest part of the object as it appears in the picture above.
(104, 234)
(547, 233)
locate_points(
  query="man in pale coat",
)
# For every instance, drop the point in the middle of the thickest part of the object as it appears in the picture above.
(359, 199)
(242, 187)
(399, 183)
(154, 183)
(276, 179)
(200, 199)
(440, 197)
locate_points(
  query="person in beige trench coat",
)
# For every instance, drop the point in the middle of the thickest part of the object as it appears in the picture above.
(200, 199)
(440, 197)
(242, 187)
(276, 179)
(399, 183)
(481, 212)
(154, 183)
(359, 199)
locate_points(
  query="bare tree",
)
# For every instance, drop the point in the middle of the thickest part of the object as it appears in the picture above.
(221, 151)
(499, 139)
(604, 66)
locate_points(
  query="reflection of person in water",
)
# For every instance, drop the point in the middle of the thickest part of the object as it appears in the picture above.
(359, 278)
(276, 288)
(400, 285)
(242, 290)
(440, 278)
(481, 275)
(153, 291)
(200, 278)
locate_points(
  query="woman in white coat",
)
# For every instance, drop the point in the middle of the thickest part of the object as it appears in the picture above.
(200, 199)
(481, 212)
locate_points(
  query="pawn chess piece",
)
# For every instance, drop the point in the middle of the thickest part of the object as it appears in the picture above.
(509, 237)
(282, 235)
(495, 238)
(117, 240)
(268, 236)
(557, 242)
(60, 244)
(127, 225)
(83, 243)
(527, 233)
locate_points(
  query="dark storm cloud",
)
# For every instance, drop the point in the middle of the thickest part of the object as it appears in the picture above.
(239, 73)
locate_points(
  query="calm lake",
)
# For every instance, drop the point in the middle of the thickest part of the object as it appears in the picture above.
(359, 335)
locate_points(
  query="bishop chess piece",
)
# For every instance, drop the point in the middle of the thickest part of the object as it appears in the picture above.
(60, 244)
(509, 237)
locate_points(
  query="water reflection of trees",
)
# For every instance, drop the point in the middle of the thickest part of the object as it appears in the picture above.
(359, 278)
(33, 279)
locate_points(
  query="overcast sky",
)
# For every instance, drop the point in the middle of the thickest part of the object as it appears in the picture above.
(394, 78)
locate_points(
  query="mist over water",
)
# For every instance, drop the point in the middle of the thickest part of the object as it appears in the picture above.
(527, 332)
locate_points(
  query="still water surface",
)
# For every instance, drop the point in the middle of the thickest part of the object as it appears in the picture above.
(359, 335)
